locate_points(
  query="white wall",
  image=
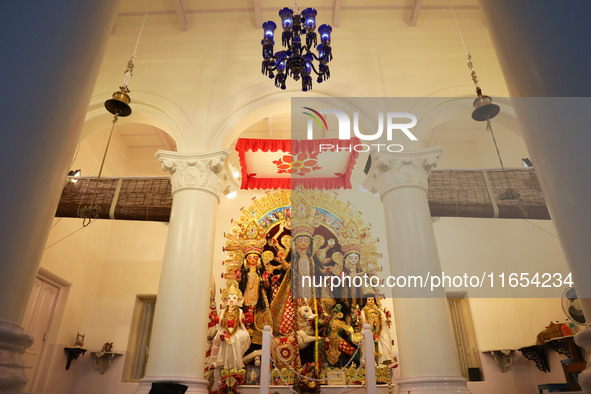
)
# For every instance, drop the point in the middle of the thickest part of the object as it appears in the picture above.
(75, 255)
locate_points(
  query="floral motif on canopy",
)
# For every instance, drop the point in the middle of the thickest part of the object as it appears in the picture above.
(301, 163)
(286, 164)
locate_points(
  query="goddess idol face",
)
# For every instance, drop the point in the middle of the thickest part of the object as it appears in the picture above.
(352, 260)
(232, 300)
(302, 242)
(252, 259)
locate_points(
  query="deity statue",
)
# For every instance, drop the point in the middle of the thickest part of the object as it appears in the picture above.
(253, 280)
(282, 306)
(353, 269)
(284, 252)
(341, 339)
(373, 315)
(302, 260)
(276, 264)
(232, 339)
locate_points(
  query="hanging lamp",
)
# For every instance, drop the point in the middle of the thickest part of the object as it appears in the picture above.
(485, 110)
(118, 105)
(298, 58)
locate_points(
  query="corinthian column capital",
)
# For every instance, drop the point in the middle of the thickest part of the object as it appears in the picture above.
(403, 169)
(207, 171)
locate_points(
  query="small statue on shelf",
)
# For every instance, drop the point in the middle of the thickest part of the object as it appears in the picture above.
(232, 339)
(107, 347)
(79, 340)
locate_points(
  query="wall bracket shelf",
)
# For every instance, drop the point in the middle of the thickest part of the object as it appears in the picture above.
(73, 353)
(102, 360)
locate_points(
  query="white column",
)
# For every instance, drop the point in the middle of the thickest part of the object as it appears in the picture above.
(177, 345)
(428, 360)
(51, 56)
(547, 69)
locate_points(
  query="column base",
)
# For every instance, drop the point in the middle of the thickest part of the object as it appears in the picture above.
(583, 339)
(13, 343)
(433, 385)
(196, 385)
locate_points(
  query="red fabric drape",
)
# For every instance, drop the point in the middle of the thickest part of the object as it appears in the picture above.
(341, 180)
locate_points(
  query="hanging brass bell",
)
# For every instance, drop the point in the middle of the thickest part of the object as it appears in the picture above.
(119, 104)
(484, 109)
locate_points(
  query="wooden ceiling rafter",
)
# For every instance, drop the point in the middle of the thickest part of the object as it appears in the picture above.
(181, 14)
(414, 12)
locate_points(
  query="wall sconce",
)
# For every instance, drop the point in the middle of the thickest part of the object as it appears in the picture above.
(73, 174)
(527, 163)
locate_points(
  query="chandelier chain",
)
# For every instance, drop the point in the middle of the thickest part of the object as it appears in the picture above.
(131, 62)
(468, 56)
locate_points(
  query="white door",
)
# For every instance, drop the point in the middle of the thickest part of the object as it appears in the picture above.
(36, 322)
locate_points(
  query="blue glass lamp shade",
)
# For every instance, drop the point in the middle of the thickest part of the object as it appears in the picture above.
(281, 58)
(286, 15)
(320, 50)
(267, 41)
(309, 17)
(324, 31)
(309, 58)
(269, 29)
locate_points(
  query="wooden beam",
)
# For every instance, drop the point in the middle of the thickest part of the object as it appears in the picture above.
(336, 16)
(258, 18)
(451, 193)
(414, 13)
(180, 12)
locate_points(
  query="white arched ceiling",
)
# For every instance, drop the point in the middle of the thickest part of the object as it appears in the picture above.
(147, 108)
(260, 101)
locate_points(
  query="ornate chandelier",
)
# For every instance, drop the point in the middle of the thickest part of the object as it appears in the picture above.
(297, 60)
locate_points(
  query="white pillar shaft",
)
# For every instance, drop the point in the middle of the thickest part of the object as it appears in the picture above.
(540, 51)
(425, 336)
(52, 52)
(179, 332)
(184, 289)
(428, 361)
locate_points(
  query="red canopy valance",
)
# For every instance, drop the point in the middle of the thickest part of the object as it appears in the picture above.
(285, 164)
